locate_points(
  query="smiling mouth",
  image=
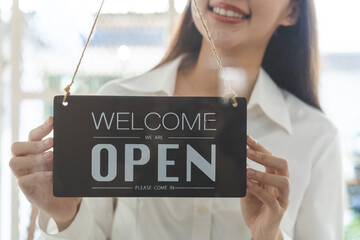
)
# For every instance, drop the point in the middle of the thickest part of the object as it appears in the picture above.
(228, 13)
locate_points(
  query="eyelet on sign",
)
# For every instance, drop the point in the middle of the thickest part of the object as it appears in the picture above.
(202, 210)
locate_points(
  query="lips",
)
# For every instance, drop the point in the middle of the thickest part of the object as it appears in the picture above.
(228, 13)
(229, 7)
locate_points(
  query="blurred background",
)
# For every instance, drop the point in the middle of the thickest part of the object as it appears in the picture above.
(41, 42)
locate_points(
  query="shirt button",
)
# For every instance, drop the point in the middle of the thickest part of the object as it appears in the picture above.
(202, 210)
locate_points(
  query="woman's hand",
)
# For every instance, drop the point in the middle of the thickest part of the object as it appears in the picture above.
(32, 165)
(267, 195)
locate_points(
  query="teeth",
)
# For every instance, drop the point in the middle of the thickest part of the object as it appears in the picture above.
(226, 13)
(229, 13)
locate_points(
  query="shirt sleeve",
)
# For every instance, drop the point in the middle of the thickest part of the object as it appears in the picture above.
(285, 236)
(92, 222)
(321, 213)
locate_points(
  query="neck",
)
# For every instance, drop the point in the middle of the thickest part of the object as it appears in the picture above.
(241, 66)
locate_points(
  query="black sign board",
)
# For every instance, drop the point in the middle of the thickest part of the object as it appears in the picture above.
(107, 146)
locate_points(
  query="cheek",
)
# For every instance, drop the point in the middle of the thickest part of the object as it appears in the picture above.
(203, 7)
(202, 4)
(267, 16)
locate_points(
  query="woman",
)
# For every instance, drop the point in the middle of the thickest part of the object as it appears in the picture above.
(273, 44)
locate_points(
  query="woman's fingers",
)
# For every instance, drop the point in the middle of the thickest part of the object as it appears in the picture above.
(28, 182)
(267, 198)
(252, 143)
(280, 182)
(24, 148)
(40, 132)
(269, 161)
(20, 165)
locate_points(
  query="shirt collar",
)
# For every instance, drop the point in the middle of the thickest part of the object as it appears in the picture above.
(266, 94)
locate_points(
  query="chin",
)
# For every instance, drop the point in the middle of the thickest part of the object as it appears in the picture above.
(225, 44)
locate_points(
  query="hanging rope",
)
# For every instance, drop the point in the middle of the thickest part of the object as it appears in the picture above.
(229, 91)
(31, 228)
(67, 89)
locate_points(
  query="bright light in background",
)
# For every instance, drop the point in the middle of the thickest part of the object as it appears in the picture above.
(110, 6)
(58, 23)
(180, 5)
(236, 78)
(30, 5)
(135, 6)
(124, 53)
(27, 108)
(61, 27)
(338, 25)
(5, 7)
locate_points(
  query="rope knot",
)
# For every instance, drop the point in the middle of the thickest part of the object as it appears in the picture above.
(67, 89)
(235, 103)
(67, 93)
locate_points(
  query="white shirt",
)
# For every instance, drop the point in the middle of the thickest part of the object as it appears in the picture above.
(282, 123)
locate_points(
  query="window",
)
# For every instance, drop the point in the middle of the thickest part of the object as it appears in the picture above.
(41, 41)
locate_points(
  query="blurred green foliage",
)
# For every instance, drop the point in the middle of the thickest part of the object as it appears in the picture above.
(352, 230)
(83, 83)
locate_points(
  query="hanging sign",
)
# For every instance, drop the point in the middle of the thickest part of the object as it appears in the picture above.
(107, 146)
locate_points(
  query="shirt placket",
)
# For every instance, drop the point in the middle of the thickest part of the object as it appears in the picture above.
(202, 218)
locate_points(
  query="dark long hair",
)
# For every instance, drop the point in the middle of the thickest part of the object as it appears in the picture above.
(291, 57)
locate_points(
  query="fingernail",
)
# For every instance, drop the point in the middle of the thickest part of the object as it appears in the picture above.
(47, 155)
(47, 122)
(48, 174)
(250, 184)
(251, 172)
(251, 152)
(47, 142)
(252, 139)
